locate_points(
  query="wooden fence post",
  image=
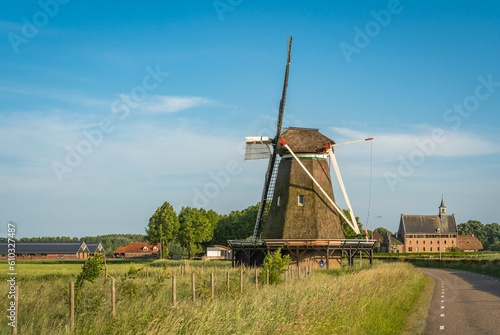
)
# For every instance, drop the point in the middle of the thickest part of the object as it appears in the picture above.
(147, 275)
(193, 287)
(105, 268)
(227, 280)
(113, 306)
(16, 302)
(256, 284)
(212, 287)
(174, 291)
(241, 281)
(71, 305)
(267, 275)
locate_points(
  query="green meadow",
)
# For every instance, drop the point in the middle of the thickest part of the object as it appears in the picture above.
(360, 300)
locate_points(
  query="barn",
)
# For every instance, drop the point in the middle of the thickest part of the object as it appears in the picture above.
(45, 250)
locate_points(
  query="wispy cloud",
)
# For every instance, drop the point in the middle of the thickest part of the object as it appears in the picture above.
(389, 146)
(173, 104)
(57, 94)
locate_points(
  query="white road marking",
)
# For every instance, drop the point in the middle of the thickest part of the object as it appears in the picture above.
(442, 307)
(442, 315)
(441, 327)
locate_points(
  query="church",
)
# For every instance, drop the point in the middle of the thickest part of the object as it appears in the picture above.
(428, 233)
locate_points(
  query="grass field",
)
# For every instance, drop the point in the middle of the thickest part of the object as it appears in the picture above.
(377, 300)
(487, 263)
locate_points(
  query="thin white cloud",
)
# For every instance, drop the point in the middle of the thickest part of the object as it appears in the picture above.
(173, 104)
(66, 95)
(391, 146)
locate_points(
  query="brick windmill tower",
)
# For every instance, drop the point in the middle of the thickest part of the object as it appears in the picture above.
(297, 199)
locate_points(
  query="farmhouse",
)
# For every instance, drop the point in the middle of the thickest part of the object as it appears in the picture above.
(46, 250)
(469, 243)
(138, 250)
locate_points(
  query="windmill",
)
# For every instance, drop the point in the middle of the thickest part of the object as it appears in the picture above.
(297, 199)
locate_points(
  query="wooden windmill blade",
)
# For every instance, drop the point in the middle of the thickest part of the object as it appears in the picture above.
(272, 166)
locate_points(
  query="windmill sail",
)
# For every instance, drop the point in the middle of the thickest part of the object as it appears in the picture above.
(257, 148)
(272, 161)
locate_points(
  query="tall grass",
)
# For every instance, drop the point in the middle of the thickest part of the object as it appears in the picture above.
(375, 300)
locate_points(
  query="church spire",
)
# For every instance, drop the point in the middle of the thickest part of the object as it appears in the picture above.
(442, 208)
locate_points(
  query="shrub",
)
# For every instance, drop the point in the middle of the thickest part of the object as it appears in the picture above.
(132, 272)
(91, 270)
(277, 265)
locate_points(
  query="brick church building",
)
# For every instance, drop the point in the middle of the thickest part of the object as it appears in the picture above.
(427, 233)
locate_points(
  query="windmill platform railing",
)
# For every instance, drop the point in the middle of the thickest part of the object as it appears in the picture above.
(252, 252)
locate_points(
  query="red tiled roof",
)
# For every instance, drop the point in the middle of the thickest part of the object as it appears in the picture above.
(120, 250)
(466, 242)
(137, 247)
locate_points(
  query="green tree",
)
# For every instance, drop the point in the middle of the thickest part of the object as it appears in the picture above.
(214, 218)
(383, 231)
(238, 225)
(195, 228)
(348, 231)
(492, 232)
(163, 226)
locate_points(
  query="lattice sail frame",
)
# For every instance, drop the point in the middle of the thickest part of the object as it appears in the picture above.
(257, 148)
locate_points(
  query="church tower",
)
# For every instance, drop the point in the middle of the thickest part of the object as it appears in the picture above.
(442, 208)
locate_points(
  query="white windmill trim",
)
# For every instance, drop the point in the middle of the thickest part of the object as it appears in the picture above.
(341, 182)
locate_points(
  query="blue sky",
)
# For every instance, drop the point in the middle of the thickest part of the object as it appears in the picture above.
(109, 109)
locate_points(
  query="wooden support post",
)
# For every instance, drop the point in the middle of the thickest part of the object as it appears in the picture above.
(297, 255)
(327, 258)
(360, 258)
(241, 280)
(267, 275)
(193, 287)
(371, 257)
(256, 284)
(113, 306)
(16, 304)
(174, 291)
(212, 287)
(227, 280)
(147, 274)
(71, 305)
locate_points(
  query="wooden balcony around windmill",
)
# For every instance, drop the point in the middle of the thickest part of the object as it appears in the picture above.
(331, 251)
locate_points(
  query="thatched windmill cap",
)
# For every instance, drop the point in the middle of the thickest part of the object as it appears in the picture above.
(303, 140)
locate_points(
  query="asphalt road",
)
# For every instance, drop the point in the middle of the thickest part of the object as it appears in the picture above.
(463, 303)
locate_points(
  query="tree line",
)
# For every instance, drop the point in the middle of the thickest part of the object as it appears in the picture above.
(195, 229)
